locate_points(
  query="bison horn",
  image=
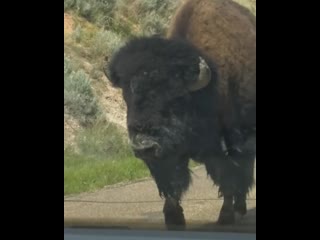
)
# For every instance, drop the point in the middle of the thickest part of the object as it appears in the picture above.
(204, 76)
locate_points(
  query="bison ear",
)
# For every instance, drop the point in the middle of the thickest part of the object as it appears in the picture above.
(111, 75)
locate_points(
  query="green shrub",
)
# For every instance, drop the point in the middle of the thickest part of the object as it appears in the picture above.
(79, 100)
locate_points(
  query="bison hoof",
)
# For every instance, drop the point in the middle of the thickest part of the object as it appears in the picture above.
(175, 220)
(226, 217)
(241, 208)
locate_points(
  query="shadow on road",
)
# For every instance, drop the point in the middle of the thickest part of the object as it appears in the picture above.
(246, 224)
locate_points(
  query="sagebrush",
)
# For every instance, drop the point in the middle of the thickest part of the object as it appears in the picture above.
(79, 100)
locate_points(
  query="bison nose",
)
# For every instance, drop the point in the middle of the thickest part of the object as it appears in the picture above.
(141, 143)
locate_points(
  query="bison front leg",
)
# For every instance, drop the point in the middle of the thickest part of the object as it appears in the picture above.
(172, 182)
(235, 181)
(245, 175)
(178, 183)
(173, 213)
(221, 172)
(227, 215)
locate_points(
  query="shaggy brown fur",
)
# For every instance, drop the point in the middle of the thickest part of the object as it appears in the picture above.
(225, 32)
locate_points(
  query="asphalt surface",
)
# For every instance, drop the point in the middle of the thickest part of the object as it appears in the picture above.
(138, 205)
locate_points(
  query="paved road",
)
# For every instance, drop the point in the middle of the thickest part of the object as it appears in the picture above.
(139, 205)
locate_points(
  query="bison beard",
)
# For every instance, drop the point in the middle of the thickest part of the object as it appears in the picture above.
(177, 109)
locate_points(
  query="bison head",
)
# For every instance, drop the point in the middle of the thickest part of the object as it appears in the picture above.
(158, 78)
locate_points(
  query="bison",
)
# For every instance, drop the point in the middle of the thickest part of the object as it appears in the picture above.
(192, 95)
